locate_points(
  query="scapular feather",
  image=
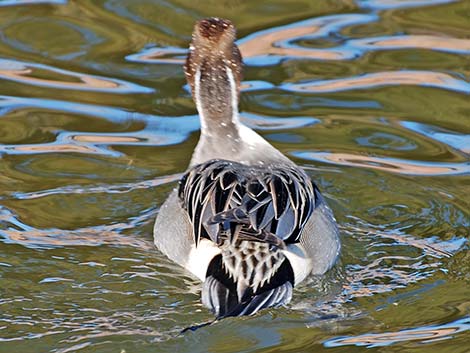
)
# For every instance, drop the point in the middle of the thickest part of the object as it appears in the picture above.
(275, 201)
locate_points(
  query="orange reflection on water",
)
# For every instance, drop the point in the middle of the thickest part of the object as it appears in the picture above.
(389, 164)
(55, 147)
(279, 41)
(386, 337)
(420, 41)
(104, 139)
(88, 236)
(82, 237)
(265, 44)
(423, 334)
(86, 81)
(386, 78)
(28, 73)
(160, 56)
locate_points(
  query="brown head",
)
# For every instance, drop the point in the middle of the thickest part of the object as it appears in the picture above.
(213, 45)
(214, 71)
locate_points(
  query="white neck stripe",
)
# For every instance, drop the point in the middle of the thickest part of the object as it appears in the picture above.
(197, 99)
(233, 91)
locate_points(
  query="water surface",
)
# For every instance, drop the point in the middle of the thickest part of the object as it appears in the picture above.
(97, 125)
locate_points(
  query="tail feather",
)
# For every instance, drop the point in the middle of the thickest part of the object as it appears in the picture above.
(219, 292)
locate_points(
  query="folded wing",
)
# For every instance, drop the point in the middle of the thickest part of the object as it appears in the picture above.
(225, 198)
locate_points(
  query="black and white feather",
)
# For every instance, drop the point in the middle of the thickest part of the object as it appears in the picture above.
(270, 204)
(251, 213)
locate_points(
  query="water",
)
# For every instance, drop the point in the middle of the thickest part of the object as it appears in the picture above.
(96, 125)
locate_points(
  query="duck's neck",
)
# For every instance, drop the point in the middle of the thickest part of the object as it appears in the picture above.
(216, 96)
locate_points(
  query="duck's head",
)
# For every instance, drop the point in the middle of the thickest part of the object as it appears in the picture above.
(214, 69)
(213, 49)
(214, 33)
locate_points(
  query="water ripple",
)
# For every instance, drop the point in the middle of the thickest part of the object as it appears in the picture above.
(31, 2)
(142, 15)
(18, 232)
(158, 55)
(106, 188)
(79, 39)
(399, 4)
(158, 130)
(387, 164)
(385, 267)
(100, 143)
(381, 79)
(24, 72)
(423, 334)
(446, 44)
(11, 103)
(390, 259)
(454, 139)
(259, 122)
(271, 46)
(429, 246)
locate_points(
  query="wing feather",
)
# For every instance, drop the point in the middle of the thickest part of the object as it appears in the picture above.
(224, 196)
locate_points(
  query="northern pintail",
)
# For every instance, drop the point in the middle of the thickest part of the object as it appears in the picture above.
(244, 219)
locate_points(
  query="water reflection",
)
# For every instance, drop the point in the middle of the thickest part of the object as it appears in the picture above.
(14, 231)
(28, 73)
(380, 79)
(384, 267)
(453, 45)
(103, 189)
(168, 55)
(387, 164)
(454, 139)
(429, 246)
(30, 2)
(260, 122)
(398, 4)
(156, 131)
(425, 334)
(386, 141)
(271, 46)
(25, 34)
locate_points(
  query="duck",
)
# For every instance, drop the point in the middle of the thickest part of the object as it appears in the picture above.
(244, 219)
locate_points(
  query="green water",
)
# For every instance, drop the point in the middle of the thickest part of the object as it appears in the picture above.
(372, 98)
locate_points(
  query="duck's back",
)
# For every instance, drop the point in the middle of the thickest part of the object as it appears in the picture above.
(241, 229)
